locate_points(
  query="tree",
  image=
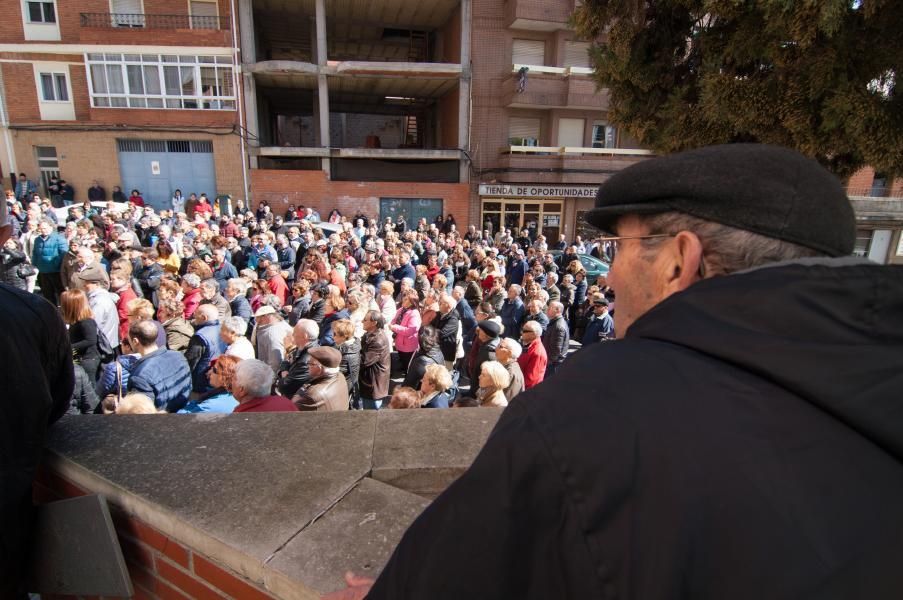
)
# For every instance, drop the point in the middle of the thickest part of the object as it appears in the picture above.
(815, 75)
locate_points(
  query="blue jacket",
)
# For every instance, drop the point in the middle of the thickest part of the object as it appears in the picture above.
(326, 327)
(404, 271)
(48, 253)
(516, 271)
(223, 274)
(241, 308)
(217, 401)
(204, 346)
(106, 383)
(512, 315)
(440, 400)
(163, 376)
(598, 329)
(468, 319)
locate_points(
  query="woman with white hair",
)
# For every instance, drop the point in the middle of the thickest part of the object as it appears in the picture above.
(493, 380)
(507, 353)
(232, 331)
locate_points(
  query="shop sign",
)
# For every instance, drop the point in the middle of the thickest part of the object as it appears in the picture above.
(539, 191)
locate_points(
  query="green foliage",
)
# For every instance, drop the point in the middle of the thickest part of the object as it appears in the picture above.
(816, 75)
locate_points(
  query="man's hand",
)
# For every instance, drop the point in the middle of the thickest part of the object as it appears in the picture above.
(358, 587)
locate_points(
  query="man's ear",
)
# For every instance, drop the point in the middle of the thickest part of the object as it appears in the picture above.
(683, 256)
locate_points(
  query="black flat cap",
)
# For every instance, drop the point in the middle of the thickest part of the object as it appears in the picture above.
(490, 328)
(769, 190)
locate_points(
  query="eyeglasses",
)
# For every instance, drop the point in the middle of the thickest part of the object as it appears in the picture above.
(615, 241)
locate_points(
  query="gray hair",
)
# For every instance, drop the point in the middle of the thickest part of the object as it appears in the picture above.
(210, 284)
(192, 280)
(552, 277)
(272, 300)
(235, 325)
(726, 249)
(516, 287)
(512, 346)
(533, 326)
(239, 284)
(310, 328)
(255, 376)
(558, 306)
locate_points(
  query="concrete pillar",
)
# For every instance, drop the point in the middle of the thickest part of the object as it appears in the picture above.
(249, 85)
(322, 84)
(464, 87)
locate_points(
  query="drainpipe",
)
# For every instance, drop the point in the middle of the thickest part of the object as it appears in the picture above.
(239, 91)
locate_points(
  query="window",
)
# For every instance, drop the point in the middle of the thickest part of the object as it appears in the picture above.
(576, 54)
(203, 14)
(570, 132)
(604, 135)
(53, 87)
(528, 52)
(161, 81)
(48, 164)
(127, 13)
(863, 242)
(523, 131)
(41, 12)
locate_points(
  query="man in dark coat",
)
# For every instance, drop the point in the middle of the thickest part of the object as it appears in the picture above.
(37, 381)
(448, 323)
(556, 338)
(724, 446)
(295, 370)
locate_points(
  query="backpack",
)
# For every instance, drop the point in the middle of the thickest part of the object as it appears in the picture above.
(107, 354)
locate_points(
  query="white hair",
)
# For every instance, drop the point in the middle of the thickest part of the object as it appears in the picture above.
(192, 280)
(512, 346)
(235, 325)
(255, 376)
(239, 284)
(310, 328)
(533, 326)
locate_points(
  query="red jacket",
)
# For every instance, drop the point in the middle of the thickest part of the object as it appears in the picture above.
(279, 288)
(267, 404)
(122, 307)
(533, 363)
(191, 301)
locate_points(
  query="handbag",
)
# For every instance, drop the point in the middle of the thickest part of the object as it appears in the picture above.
(26, 270)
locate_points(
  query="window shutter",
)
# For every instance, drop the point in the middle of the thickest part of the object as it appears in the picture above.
(528, 52)
(127, 13)
(570, 132)
(203, 15)
(524, 131)
(576, 54)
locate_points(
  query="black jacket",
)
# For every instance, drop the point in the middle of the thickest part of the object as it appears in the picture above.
(298, 372)
(420, 361)
(351, 363)
(448, 333)
(37, 379)
(743, 441)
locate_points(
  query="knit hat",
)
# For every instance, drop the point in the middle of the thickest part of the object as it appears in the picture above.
(769, 190)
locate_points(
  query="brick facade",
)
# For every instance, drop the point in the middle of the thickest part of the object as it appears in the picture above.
(160, 567)
(312, 188)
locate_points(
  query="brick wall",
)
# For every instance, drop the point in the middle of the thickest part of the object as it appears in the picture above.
(312, 188)
(159, 566)
(72, 32)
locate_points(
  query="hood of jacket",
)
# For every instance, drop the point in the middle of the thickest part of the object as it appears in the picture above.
(830, 331)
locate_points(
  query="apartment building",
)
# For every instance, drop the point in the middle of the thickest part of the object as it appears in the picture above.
(541, 143)
(139, 94)
(358, 105)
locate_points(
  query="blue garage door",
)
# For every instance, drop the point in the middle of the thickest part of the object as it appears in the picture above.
(159, 167)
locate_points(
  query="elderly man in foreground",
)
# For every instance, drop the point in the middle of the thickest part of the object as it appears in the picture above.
(741, 439)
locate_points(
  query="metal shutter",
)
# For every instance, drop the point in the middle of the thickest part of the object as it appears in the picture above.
(203, 15)
(576, 54)
(127, 13)
(525, 128)
(528, 52)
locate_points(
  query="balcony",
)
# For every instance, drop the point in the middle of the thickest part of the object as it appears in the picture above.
(142, 21)
(565, 164)
(553, 87)
(549, 15)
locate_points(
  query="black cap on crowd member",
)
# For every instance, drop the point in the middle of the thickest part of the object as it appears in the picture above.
(490, 328)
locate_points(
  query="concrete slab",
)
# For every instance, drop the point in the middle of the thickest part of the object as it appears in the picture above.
(358, 534)
(251, 481)
(423, 451)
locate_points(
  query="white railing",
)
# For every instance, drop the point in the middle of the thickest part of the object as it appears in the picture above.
(564, 71)
(572, 150)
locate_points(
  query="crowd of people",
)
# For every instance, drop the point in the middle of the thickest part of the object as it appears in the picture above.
(197, 308)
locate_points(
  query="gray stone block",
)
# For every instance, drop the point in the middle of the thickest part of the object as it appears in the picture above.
(251, 481)
(358, 534)
(423, 451)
